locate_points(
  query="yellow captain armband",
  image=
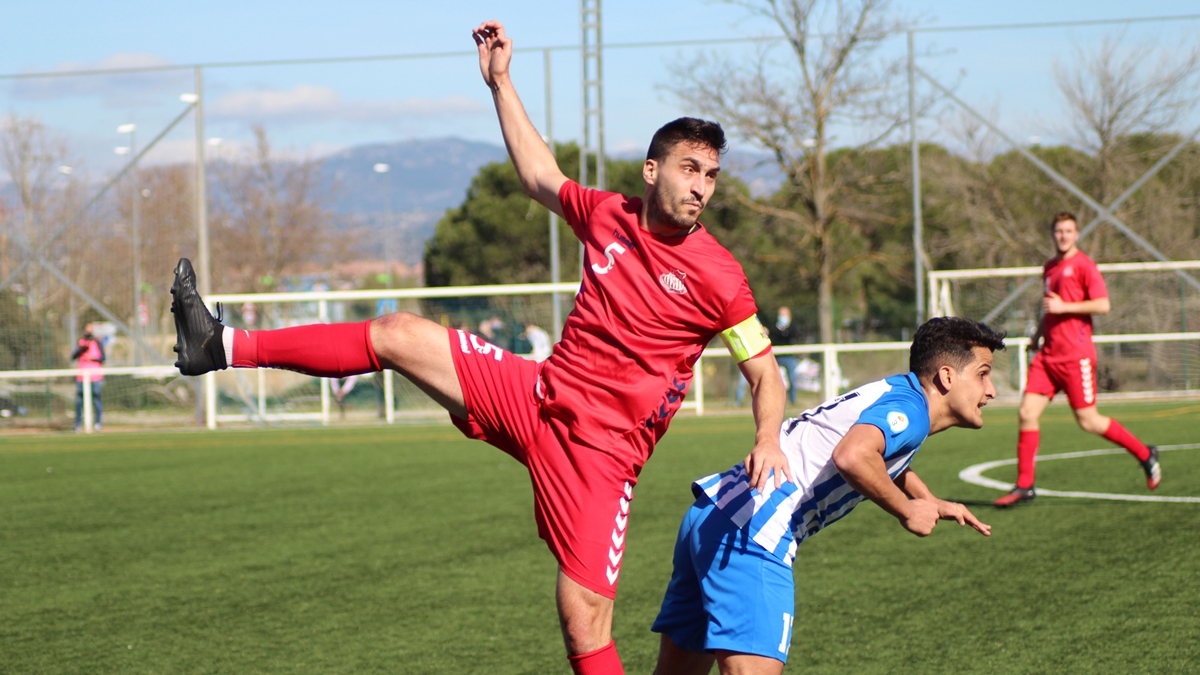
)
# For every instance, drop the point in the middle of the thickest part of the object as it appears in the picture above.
(746, 340)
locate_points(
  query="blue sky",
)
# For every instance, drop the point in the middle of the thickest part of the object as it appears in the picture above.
(313, 109)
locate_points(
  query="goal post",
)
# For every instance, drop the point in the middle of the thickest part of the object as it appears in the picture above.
(1146, 345)
(510, 311)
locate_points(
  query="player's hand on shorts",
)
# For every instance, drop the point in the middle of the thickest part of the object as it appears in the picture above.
(763, 460)
(955, 511)
(922, 517)
(495, 51)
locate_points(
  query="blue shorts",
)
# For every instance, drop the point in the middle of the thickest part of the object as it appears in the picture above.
(726, 592)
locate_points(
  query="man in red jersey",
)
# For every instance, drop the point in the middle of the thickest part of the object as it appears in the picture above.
(657, 288)
(1074, 291)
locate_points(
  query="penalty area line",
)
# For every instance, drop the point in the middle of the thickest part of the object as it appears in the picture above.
(974, 475)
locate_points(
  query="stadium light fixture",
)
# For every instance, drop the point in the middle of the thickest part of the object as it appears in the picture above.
(189, 98)
(121, 150)
(126, 128)
(66, 170)
(214, 142)
(382, 168)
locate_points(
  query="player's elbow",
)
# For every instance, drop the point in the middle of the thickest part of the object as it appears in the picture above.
(844, 458)
(1103, 306)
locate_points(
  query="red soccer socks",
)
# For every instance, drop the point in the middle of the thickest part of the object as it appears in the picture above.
(1027, 447)
(1121, 436)
(603, 661)
(322, 350)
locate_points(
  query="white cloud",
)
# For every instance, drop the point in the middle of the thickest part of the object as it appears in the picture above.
(311, 104)
(114, 88)
(176, 151)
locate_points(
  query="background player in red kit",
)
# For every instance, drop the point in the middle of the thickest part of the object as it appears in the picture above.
(657, 288)
(1074, 291)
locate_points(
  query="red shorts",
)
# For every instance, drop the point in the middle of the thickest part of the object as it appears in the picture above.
(1077, 377)
(581, 495)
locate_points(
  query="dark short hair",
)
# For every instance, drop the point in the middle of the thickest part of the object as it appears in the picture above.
(1063, 216)
(686, 130)
(949, 340)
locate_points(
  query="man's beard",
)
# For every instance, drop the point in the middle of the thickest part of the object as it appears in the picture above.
(656, 213)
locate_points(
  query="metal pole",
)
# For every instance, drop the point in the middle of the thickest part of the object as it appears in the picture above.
(202, 254)
(323, 317)
(555, 269)
(387, 227)
(1183, 329)
(918, 239)
(601, 171)
(209, 387)
(389, 397)
(262, 393)
(830, 368)
(137, 260)
(699, 388)
(88, 412)
(209, 383)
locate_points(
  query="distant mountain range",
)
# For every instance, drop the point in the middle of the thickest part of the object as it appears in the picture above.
(424, 178)
(427, 176)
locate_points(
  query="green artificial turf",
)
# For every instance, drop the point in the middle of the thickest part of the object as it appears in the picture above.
(411, 550)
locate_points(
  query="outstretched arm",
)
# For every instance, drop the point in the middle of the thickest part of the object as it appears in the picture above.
(766, 388)
(535, 163)
(859, 458)
(915, 488)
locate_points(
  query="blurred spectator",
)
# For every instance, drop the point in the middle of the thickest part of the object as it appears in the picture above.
(90, 354)
(539, 341)
(489, 328)
(782, 334)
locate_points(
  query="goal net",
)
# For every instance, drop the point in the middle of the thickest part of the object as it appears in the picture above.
(519, 318)
(1147, 345)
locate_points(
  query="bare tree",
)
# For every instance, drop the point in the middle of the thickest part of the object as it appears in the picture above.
(830, 77)
(1113, 93)
(31, 157)
(271, 219)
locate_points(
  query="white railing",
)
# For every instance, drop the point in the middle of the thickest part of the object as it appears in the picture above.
(941, 303)
(323, 298)
(89, 408)
(829, 353)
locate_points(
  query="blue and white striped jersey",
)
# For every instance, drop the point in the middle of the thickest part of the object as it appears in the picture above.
(779, 519)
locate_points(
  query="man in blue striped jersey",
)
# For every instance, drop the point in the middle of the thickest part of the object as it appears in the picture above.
(731, 596)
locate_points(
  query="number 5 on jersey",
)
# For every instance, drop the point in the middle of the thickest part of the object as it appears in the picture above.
(612, 260)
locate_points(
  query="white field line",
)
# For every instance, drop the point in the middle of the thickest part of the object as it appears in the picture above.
(974, 475)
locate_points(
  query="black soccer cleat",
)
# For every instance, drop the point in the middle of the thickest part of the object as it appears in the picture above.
(197, 333)
(1152, 469)
(1015, 497)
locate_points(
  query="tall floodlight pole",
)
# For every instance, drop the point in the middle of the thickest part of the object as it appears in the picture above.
(383, 169)
(206, 407)
(131, 129)
(918, 238)
(201, 192)
(592, 48)
(555, 271)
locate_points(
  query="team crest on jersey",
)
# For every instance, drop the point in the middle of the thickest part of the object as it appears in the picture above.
(673, 281)
(1069, 272)
(898, 421)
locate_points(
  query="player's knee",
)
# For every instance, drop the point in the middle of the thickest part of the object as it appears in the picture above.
(395, 334)
(1027, 413)
(1094, 424)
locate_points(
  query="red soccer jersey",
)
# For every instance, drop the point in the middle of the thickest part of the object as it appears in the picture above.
(647, 307)
(1074, 279)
